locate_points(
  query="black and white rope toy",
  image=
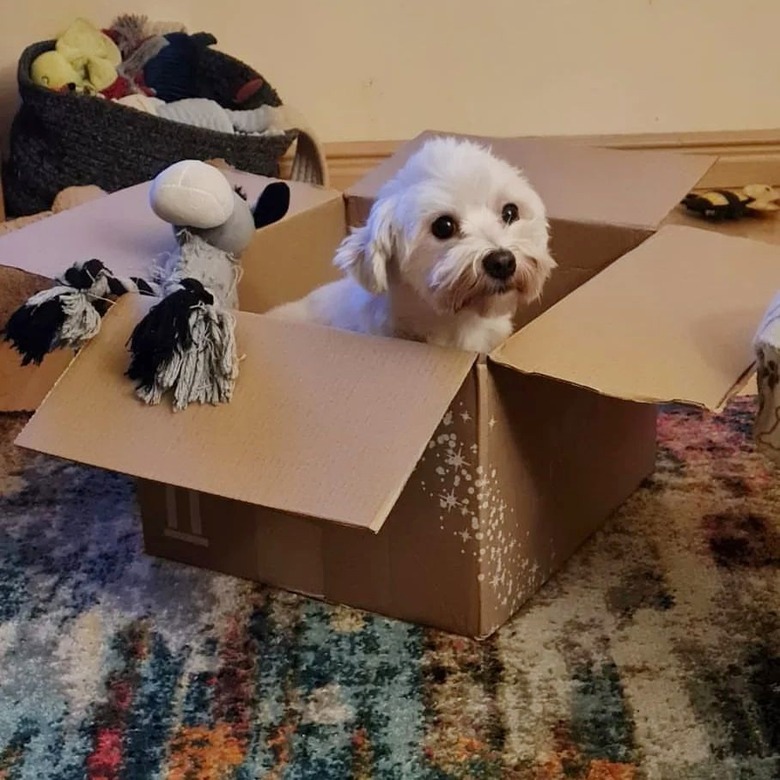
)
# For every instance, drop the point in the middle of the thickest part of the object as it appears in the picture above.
(68, 314)
(185, 344)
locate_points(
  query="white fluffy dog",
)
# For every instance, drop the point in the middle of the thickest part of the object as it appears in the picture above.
(455, 241)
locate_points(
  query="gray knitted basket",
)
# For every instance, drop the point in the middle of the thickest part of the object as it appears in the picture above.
(62, 139)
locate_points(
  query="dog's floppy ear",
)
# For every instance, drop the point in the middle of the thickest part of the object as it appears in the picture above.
(367, 251)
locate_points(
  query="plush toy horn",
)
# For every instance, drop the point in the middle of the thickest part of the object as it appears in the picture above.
(186, 343)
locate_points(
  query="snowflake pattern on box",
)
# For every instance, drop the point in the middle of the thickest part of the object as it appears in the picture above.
(472, 507)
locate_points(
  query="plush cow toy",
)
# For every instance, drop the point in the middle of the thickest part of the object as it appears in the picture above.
(186, 342)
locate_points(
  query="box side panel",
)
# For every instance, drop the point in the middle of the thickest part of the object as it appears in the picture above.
(288, 259)
(583, 245)
(581, 251)
(421, 566)
(231, 537)
(23, 388)
(196, 529)
(357, 209)
(558, 461)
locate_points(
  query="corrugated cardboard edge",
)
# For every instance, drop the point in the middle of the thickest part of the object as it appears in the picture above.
(638, 397)
(482, 369)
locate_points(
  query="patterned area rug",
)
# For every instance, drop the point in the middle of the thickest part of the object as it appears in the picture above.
(655, 654)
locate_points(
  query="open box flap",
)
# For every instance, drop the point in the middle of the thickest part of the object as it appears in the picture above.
(578, 183)
(673, 320)
(120, 229)
(323, 423)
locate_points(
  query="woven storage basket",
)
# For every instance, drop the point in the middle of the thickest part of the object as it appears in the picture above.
(61, 139)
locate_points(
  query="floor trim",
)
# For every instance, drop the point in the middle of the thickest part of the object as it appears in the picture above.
(744, 157)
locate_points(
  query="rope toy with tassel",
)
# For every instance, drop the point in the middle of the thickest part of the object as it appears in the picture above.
(186, 342)
(68, 315)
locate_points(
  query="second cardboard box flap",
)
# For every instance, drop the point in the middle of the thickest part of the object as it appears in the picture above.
(323, 423)
(673, 320)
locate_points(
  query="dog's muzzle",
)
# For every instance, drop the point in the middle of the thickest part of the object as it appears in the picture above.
(499, 264)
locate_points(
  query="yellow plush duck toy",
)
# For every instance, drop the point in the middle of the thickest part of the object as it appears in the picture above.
(84, 59)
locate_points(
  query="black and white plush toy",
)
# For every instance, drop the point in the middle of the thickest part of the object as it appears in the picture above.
(186, 342)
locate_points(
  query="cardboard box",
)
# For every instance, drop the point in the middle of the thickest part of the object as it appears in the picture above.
(432, 485)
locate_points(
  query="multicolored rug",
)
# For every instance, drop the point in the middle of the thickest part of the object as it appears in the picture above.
(655, 654)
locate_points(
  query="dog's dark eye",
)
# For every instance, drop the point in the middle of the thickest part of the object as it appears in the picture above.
(444, 227)
(510, 213)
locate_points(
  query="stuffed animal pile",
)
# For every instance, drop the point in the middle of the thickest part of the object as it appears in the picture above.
(185, 345)
(88, 60)
(151, 67)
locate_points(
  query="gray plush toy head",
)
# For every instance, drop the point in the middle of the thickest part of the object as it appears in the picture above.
(197, 198)
(234, 235)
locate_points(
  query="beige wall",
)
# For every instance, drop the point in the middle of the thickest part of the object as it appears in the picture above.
(365, 70)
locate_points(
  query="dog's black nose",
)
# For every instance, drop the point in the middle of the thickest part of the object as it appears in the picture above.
(499, 264)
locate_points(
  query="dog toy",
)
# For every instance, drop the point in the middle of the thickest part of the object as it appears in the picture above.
(208, 114)
(185, 344)
(53, 71)
(68, 314)
(172, 72)
(719, 205)
(130, 31)
(83, 59)
(763, 198)
(83, 41)
(164, 48)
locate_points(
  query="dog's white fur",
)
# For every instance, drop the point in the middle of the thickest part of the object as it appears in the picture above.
(404, 282)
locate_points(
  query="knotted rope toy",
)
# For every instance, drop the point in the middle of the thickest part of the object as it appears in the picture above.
(186, 342)
(68, 315)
